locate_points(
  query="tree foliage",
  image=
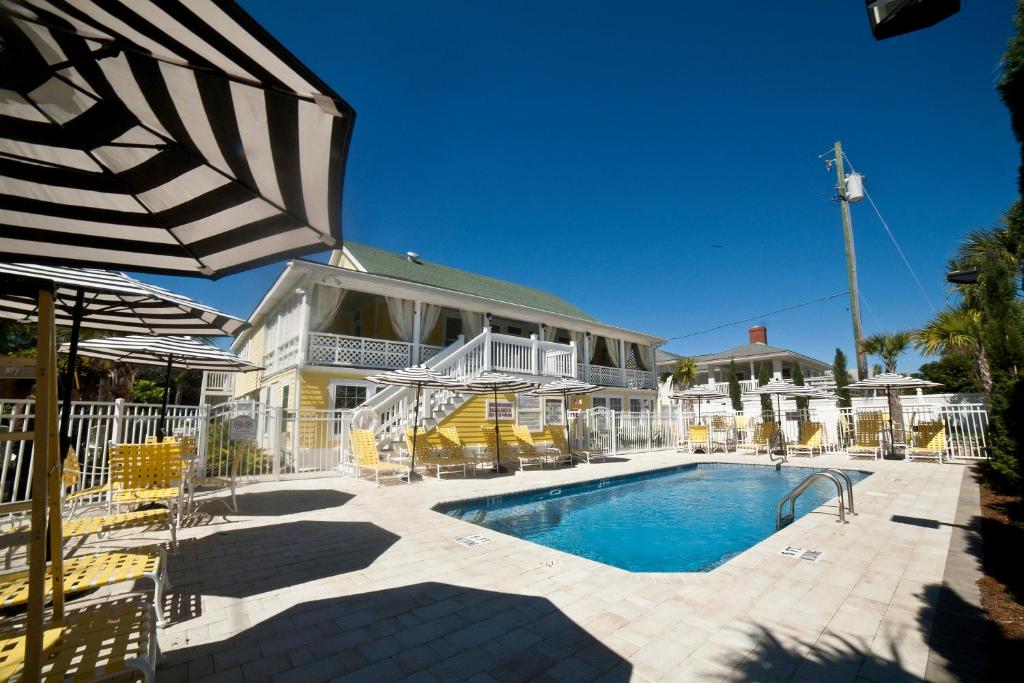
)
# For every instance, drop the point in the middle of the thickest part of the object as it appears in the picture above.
(842, 377)
(768, 414)
(797, 376)
(888, 346)
(735, 393)
(954, 371)
(685, 372)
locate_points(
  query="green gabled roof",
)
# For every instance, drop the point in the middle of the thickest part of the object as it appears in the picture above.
(397, 266)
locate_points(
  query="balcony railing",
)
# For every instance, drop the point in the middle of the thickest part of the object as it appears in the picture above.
(363, 352)
(617, 377)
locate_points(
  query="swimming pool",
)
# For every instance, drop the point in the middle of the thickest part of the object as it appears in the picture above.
(687, 519)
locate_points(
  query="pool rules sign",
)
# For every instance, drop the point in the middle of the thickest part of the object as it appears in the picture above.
(242, 428)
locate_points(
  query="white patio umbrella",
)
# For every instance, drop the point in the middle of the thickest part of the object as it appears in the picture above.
(105, 300)
(890, 381)
(171, 137)
(495, 383)
(566, 387)
(780, 388)
(419, 377)
(701, 392)
(180, 352)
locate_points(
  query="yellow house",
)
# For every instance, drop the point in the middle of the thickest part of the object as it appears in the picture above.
(321, 330)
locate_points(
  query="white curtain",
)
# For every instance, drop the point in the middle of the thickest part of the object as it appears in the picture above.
(401, 313)
(326, 303)
(429, 313)
(613, 351)
(642, 355)
(551, 333)
(581, 341)
(472, 324)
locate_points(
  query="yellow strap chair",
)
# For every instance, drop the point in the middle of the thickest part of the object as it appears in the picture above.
(866, 442)
(105, 639)
(438, 458)
(84, 572)
(367, 458)
(812, 440)
(547, 453)
(559, 440)
(929, 442)
(764, 436)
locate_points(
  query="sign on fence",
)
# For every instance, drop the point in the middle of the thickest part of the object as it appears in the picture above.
(242, 428)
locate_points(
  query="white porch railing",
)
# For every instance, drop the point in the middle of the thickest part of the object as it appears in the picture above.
(390, 410)
(364, 352)
(617, 377)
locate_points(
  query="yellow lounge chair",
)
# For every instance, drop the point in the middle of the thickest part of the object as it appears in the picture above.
(929, 442)
(699, 437)
(84, 572)
(429, 456)
(367, 458)
(560, 442)
(764, 436)
(866, 442)
(99, 641)
(145, 473)
(548, 452)
(811, 440)
(510, 446)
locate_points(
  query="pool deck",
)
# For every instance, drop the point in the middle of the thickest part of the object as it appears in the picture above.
(332, 578)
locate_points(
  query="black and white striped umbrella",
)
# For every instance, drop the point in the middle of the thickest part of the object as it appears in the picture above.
(495, 383)
(180, 352)
(701, 393)
(171, 137)
(113, 301)
(418, 377)
(566, 387)
(891, 380)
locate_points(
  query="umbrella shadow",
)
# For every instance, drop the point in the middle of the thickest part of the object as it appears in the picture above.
(433, 630)
(249, 561)
(287, 502)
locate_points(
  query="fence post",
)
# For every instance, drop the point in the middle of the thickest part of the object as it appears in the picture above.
(276, 429)
(118, 431)
(615, 432)
(202, 436)
(534, 350)
(487, 349)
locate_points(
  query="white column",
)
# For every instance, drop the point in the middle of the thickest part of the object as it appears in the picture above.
(534, 352)
(777, 368)
(573, 358)
(586, 358)
(297, 394)
(416, 309)
(487, 348)
(753, 374)
(622, 361)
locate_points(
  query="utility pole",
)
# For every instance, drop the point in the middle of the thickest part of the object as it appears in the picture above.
(851, 263)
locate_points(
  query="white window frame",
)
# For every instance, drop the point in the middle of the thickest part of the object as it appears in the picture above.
(371, 389)
(536, 425)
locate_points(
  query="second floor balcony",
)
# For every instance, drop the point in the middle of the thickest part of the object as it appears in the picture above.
(324, 348)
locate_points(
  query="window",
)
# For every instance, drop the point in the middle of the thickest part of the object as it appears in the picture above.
(346, 397)
(634, 405)
(528, 412)
(514, 331)
(452, 330)
(609, 402)
(553, 414)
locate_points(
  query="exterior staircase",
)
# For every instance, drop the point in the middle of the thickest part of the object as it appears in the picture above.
(390, 411)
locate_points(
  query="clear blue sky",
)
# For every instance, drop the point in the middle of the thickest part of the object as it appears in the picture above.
(599, 150)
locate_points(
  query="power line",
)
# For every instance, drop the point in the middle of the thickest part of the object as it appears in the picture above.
(763, 315)
(892, 237)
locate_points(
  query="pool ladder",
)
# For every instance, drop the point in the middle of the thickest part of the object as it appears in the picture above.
(832, 474)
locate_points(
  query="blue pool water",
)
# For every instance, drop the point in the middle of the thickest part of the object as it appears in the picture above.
(690, 518)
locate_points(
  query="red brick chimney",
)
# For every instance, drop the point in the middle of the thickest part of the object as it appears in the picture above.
(758, 334)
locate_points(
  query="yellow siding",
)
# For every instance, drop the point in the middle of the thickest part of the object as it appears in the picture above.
(316, 386)
(471, 416)
(246, 382)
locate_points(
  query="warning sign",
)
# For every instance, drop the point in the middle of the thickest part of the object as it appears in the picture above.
(242, 428)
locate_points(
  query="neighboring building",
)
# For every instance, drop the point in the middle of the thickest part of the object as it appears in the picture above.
(322, 329)
(713, 368)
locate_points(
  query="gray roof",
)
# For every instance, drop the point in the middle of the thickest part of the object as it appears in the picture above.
(397, 266)
(751, 350)
(662, 356)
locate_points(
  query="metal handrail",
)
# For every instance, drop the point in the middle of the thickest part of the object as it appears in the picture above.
(849, 487)
(799, 489)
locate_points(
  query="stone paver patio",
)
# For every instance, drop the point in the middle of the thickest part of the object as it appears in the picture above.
(323, 579)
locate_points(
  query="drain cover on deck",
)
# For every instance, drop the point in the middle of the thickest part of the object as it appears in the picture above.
(471, 541)
(801, 553)
(550, 563)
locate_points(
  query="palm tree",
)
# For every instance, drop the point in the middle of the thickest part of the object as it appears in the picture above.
(957, 331)
(685, 372)
(888, 346)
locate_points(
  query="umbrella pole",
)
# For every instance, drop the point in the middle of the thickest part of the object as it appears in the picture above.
(415, 428)
(565, 416)
(497, 436)
(69, 373)
(892, 434)
(167, 390)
